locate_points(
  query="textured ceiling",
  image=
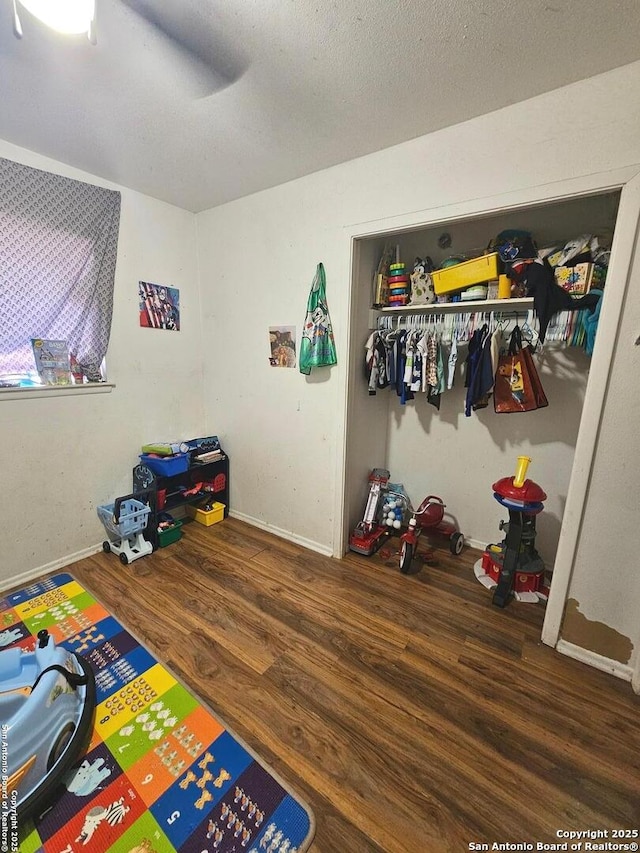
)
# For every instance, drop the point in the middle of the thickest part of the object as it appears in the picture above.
(276, 89)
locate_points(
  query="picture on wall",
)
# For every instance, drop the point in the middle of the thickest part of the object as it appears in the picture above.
(282, 340)
(159, 306)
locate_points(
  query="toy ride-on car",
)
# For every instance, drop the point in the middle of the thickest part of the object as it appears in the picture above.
(369, 534)
(47, 705)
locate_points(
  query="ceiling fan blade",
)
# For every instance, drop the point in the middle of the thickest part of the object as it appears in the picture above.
(193, 31)
(17, 25)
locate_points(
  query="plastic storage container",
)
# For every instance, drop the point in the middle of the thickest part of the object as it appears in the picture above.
(170, 534)
(166, 466)
(212, 516)
(465, 274)
(475, 293)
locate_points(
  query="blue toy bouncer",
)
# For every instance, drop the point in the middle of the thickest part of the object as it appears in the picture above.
(47, 705)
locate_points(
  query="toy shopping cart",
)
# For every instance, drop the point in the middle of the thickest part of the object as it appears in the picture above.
(124, 520)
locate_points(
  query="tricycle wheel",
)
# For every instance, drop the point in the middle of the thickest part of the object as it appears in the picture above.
(106, 547)
(124, 559)
(406, 557)
(456, 543)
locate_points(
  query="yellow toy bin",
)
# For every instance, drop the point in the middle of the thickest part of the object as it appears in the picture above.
(213, 516)
(475, 271)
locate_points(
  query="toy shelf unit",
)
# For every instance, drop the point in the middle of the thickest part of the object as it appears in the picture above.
(172, 485)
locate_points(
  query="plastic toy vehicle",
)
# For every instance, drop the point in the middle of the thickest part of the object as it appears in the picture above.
(47, 704)
(368, 535)
(429, 515)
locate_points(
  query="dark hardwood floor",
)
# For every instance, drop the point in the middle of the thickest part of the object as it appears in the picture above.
(411, 714)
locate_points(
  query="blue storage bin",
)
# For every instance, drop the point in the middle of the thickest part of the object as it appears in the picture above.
(166, 466)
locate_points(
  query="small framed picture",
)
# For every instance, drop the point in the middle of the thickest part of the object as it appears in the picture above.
(159, 306)
(282, 341)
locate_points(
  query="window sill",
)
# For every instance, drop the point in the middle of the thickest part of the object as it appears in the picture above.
(55, 391)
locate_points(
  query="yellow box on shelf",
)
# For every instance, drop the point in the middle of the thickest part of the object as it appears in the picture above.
(207, 517)
(465, 274)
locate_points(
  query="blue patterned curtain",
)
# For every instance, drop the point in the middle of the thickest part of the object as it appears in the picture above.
(58, 247)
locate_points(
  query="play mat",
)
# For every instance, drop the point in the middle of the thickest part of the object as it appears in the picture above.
(161, 773)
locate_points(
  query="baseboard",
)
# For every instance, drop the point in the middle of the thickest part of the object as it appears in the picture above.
(473, 543)
(33, 574)
(316, 546)
(283, 534)
(613, 667)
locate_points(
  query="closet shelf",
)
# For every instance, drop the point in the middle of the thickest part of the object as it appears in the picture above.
(502, 305)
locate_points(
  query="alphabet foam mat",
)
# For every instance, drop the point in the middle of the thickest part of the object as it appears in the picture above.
(162, 772)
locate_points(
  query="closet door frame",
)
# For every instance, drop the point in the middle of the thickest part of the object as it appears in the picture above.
(627, 180)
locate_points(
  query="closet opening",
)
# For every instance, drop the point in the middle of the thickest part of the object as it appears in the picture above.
(443, 452)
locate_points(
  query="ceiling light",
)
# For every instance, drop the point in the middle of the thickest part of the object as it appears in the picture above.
(65, 16)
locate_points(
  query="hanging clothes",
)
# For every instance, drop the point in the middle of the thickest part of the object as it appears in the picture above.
(423, 358)
(423, 347)
(436, 390)
(495, 347)
(388, 339)
(591, 323)
(451, 363)
(317, 347)
(479, 380)
(402, 390)
(416, 372)
(376, 364)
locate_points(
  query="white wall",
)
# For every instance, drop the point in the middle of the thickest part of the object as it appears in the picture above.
(258, 255)
(62, 457)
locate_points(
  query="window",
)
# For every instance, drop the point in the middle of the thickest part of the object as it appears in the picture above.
(58, 247)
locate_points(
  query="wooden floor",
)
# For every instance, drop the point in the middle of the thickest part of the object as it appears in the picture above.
(410, 713)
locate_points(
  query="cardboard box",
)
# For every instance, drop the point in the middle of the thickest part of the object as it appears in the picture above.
(213, 516)
(580, 279)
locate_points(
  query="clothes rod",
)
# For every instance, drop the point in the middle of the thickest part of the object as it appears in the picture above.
(496, 305)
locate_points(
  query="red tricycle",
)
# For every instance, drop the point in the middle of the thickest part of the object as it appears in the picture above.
(429, 515)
